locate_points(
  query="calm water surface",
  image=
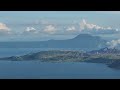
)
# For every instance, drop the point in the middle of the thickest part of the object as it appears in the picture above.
(40, 70)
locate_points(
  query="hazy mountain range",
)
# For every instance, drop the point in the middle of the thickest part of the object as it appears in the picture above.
(80, 41)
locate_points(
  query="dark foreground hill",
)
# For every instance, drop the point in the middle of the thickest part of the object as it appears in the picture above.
(110, 57)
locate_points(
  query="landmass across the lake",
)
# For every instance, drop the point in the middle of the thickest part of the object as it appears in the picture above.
(84, 41)
(108, 56)
(100, 54)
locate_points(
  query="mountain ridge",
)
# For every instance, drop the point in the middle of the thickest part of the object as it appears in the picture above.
(80, 41)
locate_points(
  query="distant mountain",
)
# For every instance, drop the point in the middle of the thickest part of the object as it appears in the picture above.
(80, 41)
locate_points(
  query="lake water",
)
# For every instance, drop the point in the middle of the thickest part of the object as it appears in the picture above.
(40, 70)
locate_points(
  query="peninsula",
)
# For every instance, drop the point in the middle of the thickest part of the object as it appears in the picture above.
(108, 56)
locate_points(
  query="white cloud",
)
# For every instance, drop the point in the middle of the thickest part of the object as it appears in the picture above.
(113, 43)
(117, 30)
(30, 30)
(96, 29)
(71, 29)
(109, 28)
(50, 29)
(85, 25)
(4, 29)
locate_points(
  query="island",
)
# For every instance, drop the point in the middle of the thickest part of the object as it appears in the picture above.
(108, 56)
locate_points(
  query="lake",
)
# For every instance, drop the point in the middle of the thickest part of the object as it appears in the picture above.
(40, 70)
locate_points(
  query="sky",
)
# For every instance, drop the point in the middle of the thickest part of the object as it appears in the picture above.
(45, 25)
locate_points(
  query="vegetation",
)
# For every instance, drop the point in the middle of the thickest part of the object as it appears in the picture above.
(108, 57)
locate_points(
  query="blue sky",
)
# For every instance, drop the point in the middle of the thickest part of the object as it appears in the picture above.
(45, 25)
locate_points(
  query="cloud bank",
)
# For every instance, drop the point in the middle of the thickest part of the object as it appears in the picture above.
(4, 29)
(113, 43)
(47, 28)
(30, 30)
(50, 29)
(85, 25)
(71, 29)
(96, 29)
